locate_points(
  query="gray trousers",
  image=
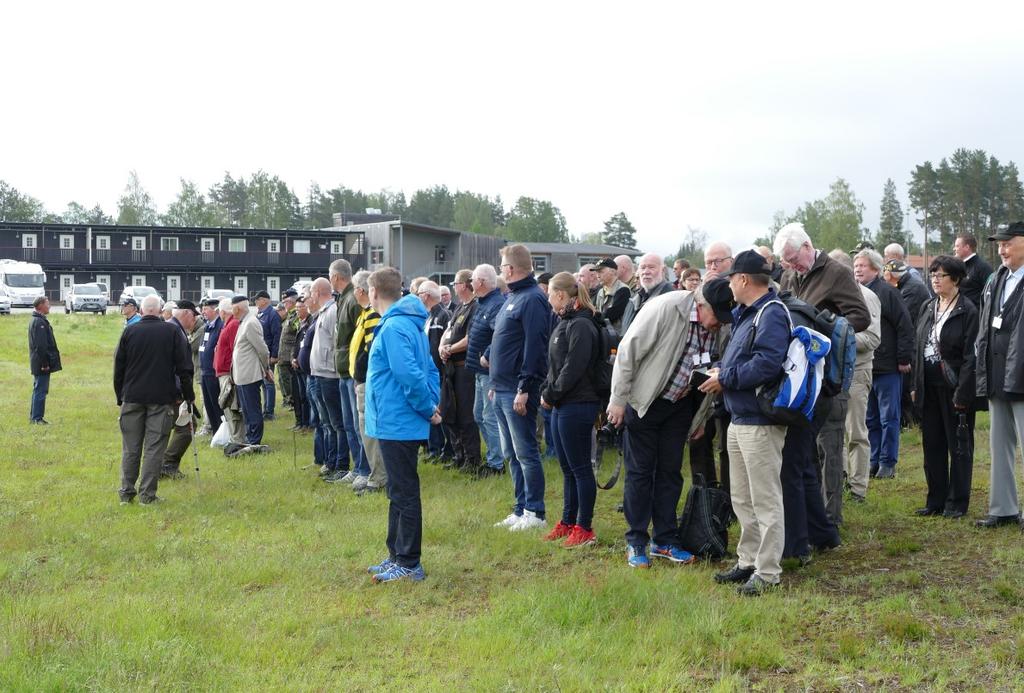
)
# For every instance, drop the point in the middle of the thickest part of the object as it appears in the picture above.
(1005, 436)
(233, 413)
(378, 475)
(832, 457)
(177, 446)
(143, 425)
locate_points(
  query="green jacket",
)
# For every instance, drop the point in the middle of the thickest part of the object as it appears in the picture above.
(348, 314)
(289, 329)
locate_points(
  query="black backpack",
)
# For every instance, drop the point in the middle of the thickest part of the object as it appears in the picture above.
(607, 347)
(704, 524)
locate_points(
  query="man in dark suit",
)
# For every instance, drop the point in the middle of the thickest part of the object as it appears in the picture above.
(43, 357)
(965, 247)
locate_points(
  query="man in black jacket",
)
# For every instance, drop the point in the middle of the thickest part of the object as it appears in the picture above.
(184, 318)
(965, 247)
(651, 275)
(43, 358)
(897, 274)
(1000, 372)
(892, 360)
(152, 375)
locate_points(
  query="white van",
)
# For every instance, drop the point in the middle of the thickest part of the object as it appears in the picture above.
(21, 282)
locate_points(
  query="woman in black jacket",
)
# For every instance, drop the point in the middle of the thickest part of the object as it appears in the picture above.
(943, 389)
(569, 391)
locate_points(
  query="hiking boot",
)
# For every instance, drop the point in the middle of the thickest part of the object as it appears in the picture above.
(559, 531)
(580, 537)
(734, 574)
(636, 556)
(885, 472)
(397, 572)
(486, 471)
(672, 553)
(508, 521)
(756, 586)
(360, 483)
(335, 476)
(529, 520)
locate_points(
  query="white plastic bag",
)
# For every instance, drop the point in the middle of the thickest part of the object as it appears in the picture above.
(222, 437)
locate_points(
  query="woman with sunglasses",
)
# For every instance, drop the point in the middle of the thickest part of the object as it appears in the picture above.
(943, 389)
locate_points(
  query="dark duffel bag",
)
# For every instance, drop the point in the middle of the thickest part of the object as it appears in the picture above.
(704, 524)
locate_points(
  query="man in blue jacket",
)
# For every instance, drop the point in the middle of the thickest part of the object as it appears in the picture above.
(271, 323)
(754, 358)
(402, 395)
(208, 382)
(518, 359)
(489, 302)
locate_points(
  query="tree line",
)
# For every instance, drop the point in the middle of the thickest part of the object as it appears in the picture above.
(264, 200)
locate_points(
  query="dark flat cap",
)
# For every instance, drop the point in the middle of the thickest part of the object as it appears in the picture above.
(545, 278)
(260, 294)
(719, 296)
(211, 302)
(290, 293)
(188, 305)
(238, 299)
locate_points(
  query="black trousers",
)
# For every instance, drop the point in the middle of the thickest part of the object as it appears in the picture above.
(458, 395)
(702, 455)
(654, 461)
(210, 386)
(948, 464)
(405, 514)
(806, 521)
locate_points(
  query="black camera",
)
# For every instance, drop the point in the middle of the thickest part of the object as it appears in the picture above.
(608, 436)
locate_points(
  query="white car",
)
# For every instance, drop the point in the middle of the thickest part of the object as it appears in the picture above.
(138, 293)
(217, 294)
(5, 303)
(85, 298)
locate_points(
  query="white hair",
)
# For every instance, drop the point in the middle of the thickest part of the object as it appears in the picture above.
(361, 280)
(150, 305)
(431, 289)
(487, 274)
(621, 260)
(871, 256)
(171, 306)
(791, 237)
(895, 250)
(225, 305)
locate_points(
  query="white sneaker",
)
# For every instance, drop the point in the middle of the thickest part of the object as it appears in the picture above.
(360, 483)
(508, 521)
(529, 520)
(348, 478)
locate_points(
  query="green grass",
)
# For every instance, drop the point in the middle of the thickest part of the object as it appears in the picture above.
(253, 578)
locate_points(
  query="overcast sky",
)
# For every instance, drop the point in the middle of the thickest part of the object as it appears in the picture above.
(679, 115)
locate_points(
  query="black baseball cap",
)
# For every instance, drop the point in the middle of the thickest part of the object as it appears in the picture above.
(131, 302)
(188, 305)
(719, 296)
(289, 293)
(748, 262)
(1011, 231)
(607, 262)
(545, 278)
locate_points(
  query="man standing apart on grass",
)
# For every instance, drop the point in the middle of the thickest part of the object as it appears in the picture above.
(1000, 374)
(754, 358)
(43, 358)
(402, 396)
(152, 375)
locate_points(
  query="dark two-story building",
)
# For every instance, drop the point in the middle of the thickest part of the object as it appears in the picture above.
(180, 263)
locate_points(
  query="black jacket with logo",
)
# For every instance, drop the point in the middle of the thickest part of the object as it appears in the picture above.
(571, 358)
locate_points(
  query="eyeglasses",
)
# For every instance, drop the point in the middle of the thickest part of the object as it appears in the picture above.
(504, 265)
(938, 275)
(716, 263)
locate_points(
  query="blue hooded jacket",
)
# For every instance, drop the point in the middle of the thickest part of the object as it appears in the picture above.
(745, 366)
(402, 384)
(519, 348)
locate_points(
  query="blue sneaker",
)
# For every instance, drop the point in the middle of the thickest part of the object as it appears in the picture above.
(672, 553)
(381, 567)
(636, 557)
(397, 572)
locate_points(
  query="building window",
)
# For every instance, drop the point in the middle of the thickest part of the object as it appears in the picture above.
(440, 254)
(236, 245)
(300, 247)
(588, 259)
(102, 242)
(169, 243)
(376, 255)
(207, 245)
(274, 245)
(138, 280)
(274, 288)
(337, 247)
(540, 263)
(138, 242)
(241, 285)
(207, 282)
(67, 241)
(28, 240)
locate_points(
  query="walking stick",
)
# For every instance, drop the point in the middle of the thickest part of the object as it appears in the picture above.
(295, 464)
(195, 450)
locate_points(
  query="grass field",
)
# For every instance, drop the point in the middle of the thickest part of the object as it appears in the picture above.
(253, 578)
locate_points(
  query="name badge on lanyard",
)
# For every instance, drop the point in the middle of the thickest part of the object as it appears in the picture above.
(997, 322)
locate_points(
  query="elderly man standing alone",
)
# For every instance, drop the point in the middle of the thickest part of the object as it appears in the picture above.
(43, 358)
(250, 366)
(152, 374)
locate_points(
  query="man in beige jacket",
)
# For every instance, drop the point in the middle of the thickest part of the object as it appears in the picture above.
(250, 365)
(652, 396)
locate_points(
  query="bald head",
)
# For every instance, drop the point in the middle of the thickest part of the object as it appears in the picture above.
(625, 265)
(150, 305)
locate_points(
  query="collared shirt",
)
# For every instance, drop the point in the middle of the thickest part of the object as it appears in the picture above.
(699, 343)
(1010, 284)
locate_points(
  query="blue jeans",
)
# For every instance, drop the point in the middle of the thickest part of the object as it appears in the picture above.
(483, 414)
(883, 420)
(323, 434)
(330, 395)
(249, 401)
(269, 395)
(549, 436)
(350, 412)
(519, 444)
(40, 388)
(571, 426)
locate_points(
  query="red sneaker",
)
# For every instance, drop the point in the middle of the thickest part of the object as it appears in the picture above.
(559, 531)
(580, 537)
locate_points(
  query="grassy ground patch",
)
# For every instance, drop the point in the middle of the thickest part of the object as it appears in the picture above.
(253, 577)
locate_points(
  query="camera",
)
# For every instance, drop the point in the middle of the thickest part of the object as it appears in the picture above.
(608, 436)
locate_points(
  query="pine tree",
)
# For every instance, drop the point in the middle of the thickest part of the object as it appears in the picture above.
(890, 223)
(620, 231)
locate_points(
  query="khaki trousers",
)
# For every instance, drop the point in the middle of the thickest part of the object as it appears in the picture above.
(755, 462)
(858, 460)
(378, 475)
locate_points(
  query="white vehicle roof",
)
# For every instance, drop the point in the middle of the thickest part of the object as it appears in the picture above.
(18, 267)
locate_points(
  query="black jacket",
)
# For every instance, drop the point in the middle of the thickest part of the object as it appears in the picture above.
(637, 301)
(1000, 371)
(152, 359)
(571, 359)
(897, 346)
(42, 347)
(978, 272)
(956, 348)
(915, 295)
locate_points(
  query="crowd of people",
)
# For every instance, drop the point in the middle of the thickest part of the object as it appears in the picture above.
(504, 367)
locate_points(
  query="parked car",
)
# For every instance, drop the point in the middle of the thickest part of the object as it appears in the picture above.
(302, 287)
(105, 289)
(138, 293)
(85, 298)
(5, 303)
(217, 294)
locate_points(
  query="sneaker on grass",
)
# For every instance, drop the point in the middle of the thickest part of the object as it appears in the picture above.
(508, 521)
(672, 553)
(529, 520)
(397, 572)
(580, 537)
(359, 483)
(636, 556)
(756, 586)
(381, 567)
(559, 531)
(349, 477)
